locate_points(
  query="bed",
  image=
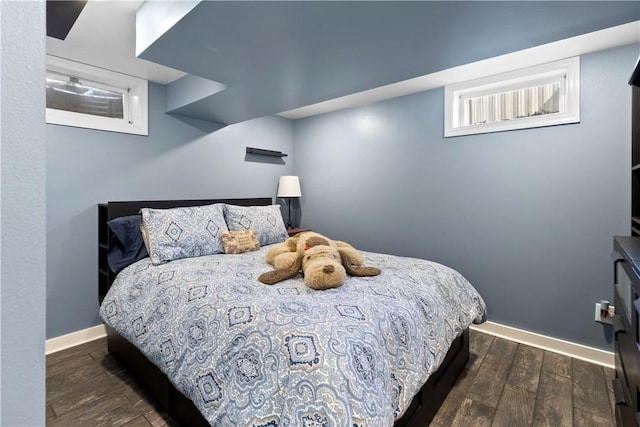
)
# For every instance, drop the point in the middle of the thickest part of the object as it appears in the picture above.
(213, 346)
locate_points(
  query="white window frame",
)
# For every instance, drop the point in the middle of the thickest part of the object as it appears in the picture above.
(135, 106)
(566, 72)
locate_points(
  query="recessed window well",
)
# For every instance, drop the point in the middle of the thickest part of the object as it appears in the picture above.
(544, 95)
(84, 96)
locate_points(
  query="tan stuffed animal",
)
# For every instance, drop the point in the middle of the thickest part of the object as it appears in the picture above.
(324, 262)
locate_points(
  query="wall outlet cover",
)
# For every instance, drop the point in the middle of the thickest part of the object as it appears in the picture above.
(607, 320)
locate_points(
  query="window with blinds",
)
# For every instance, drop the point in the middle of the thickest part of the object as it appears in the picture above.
(71, 94)
(84, 96)
(539, 96)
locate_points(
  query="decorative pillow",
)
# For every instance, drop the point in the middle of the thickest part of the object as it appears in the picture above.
(184, 232)
(127, 245)
(265, 220)
(239, 241)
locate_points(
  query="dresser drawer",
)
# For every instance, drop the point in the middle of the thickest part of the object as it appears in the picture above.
(624, 410)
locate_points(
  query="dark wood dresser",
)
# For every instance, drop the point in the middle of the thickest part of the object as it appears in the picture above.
(626, 385)
(626, 255)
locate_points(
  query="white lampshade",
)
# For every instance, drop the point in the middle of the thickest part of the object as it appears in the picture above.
(289, 186)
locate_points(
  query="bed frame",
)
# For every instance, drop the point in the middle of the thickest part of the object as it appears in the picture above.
(423, 408)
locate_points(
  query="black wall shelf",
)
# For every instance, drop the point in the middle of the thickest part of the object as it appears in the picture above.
(262, 152)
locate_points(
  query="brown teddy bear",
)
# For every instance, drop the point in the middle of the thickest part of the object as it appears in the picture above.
(324, 262)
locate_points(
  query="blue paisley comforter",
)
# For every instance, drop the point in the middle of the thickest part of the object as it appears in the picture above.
(286, 355)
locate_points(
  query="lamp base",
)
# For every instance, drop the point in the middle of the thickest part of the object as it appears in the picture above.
(289, 226)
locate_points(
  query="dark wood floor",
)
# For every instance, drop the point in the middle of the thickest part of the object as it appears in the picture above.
(504, 384)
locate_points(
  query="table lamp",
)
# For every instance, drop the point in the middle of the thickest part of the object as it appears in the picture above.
(289, 186)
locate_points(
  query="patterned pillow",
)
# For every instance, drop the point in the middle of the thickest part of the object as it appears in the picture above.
(265, 220)
(184, 232)
(239, 241)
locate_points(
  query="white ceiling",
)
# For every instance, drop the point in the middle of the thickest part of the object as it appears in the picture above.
(104, 36)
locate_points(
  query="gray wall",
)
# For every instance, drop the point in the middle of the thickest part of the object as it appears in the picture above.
(527, 216)
(22, 213)
(180, 159)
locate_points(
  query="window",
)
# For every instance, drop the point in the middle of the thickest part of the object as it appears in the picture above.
(84, 96)
(545, 95)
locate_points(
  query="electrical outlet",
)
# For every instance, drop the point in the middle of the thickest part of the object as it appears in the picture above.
(608, 319)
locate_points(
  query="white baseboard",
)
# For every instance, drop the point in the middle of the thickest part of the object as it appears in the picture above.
(75, 338)
(578, 351)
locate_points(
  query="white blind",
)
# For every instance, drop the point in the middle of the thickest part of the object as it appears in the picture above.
(511, 105)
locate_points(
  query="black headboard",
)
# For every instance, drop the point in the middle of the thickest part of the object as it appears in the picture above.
(110, 210)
